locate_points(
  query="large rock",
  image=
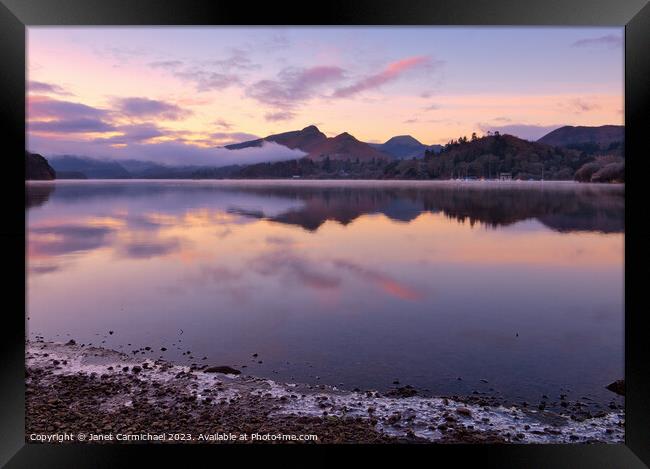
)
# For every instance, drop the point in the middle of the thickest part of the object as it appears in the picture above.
(618, 387)
(37, 168)
(222, 369)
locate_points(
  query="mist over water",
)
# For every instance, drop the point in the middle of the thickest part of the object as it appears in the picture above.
(359, 283)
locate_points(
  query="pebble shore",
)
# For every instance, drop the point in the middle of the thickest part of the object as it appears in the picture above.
(92, 390)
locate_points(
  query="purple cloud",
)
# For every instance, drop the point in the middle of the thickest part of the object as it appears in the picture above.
(55, 116)
(166, 64)
(41, 106)
(133, 133)
(84, 124)
(238, 60)
(42, 87)
(610, 40)
(222, 124)
(279, 116)
(294, 85)
(206, 80)
(579, 105)
(209, 75)
(145, 107)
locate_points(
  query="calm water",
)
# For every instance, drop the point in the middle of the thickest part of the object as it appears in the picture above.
(346, 283)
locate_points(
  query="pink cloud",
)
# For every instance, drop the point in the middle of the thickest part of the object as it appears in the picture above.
(388, 74)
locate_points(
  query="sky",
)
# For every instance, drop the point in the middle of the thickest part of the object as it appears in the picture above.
(178, 94)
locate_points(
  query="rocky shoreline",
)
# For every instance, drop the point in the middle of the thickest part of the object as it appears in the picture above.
(101, 393)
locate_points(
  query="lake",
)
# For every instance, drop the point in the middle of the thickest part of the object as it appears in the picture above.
(509, 288)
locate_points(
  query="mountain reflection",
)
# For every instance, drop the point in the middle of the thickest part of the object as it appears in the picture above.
(37, 194)
(560, 207)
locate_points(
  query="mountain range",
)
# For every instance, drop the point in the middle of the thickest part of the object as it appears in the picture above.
(344, 146)
(88, 167)
(318, 146)
(306, 140)
(559, 154)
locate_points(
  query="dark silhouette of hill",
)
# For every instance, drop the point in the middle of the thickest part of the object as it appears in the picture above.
(405, 146)
(602, 136)
(37, 167)
(490, 156)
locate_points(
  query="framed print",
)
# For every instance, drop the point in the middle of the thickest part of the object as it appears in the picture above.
(373, 227)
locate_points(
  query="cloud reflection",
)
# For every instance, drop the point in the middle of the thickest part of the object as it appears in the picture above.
(150, 248)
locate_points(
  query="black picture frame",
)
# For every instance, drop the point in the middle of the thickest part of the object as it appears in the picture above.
(16, 15)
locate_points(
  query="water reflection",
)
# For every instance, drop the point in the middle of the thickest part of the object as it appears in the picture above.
(155, 205)
(560, 206)
(37, 194)
(364, 281)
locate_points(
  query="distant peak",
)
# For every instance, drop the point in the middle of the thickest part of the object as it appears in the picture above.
(404, 140)
(344, 136)
(311, 129)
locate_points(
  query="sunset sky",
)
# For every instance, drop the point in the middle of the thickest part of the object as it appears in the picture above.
(174, 94)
